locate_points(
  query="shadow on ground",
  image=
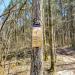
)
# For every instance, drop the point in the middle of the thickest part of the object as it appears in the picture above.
(66, 51)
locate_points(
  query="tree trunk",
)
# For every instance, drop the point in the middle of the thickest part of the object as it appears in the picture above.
(37, 52)
(70, 18)
(51, 41)
(36, 65)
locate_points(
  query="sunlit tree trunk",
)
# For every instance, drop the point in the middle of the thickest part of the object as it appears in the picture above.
(37, 52)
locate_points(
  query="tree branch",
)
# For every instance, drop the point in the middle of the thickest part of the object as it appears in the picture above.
(22, 6)
(9, 11)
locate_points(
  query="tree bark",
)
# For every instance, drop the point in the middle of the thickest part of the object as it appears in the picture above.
(51, 40)
(37, 52)
(71, 27)
(36, 65)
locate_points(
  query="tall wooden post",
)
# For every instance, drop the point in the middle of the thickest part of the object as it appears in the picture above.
(37, 39)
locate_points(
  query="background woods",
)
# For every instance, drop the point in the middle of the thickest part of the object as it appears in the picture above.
(57, 18)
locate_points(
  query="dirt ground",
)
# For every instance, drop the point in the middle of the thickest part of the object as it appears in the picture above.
(65, 61)
(65, 64)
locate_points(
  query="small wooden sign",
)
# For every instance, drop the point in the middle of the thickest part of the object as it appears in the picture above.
(37, 37)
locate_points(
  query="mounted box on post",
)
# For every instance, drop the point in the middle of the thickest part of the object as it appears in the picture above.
(37, 35)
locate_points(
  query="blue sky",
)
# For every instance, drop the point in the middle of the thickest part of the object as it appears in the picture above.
(3, 5)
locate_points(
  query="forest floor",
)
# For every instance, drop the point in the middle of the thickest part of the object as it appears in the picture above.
(65, 64)
(65, 61)
(65, 57)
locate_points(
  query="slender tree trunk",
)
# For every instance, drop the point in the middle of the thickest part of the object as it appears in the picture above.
(51, 41)
(70, 18)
